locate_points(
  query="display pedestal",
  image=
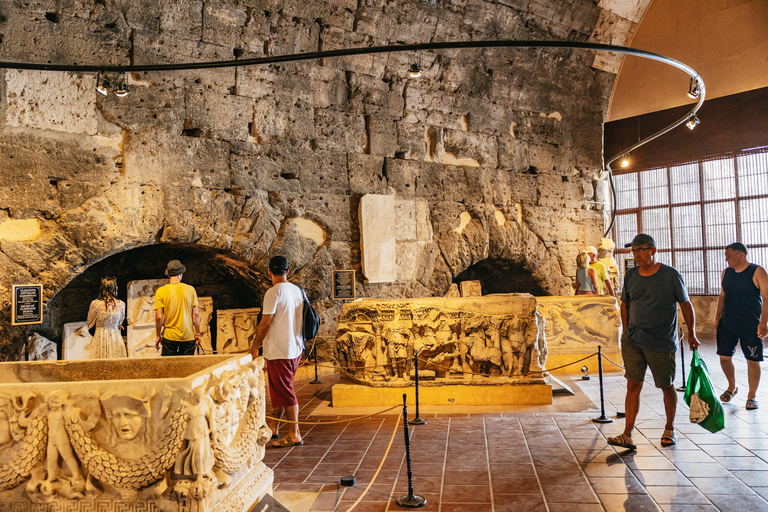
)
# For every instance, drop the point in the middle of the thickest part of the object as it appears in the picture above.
(357, 395)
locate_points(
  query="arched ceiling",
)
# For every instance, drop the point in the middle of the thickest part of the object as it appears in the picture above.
(726, 41)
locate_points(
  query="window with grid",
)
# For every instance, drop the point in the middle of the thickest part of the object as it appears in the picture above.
(693, 210)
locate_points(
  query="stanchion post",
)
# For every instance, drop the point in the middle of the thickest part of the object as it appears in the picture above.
(410, 500)
(603, 418)
(417, 420)
(682, 359)
(314, 356)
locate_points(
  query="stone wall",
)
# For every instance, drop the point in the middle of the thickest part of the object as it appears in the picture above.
(499, 148)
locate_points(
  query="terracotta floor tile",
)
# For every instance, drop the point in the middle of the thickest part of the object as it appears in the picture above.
(516, 503)
(617, 485)
(369, 506)
(729, 485)
(474, 477)
(556, 463)
(292, 475)
(661, 477)
(377, 492)
(516, 486)
(569, 494)
(677, 495)
(628, 503)
(463, 507)
(752, 478)
(702, 469)
(739, 503)
(466, 493)
(743, 463)
(575, 507)
(561, 477)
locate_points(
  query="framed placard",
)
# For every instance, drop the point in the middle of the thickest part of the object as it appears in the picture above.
(343, 284)
(628, 264)
(27, 308)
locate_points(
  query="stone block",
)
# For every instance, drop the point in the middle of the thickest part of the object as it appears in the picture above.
(409, 259)
(50, 100)
(75, 341)
(160, 158)
(340, 132)
(141, 341)
(580, 324)
(382, 136)
(290, 34)
(471, 289)
(205, 309)
(270, 172)
(377, 239)
(453, 292)
(423, 222)
(336, 13)
(366, 174)
(25, 198)
(235, 329)
(405, 220)
(235, 26)
(182, 19)
(216, 115)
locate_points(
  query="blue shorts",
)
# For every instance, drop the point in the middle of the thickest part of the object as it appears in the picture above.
(728, 338)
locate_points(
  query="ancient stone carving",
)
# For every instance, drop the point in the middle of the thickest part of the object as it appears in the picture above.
(75, 343)
(205, 308)
(605, 256)
(236, 329)
(40, 348)
(141, 300)
(471, 289)
(453, 292)
(377, 238)
(167, 445)
(580, 324)
(469, 338)
(141, 341)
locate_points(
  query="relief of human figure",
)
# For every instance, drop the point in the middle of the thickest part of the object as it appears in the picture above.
(397, 335)
(59, 445)
(145, 347)
(145, 302)
(6, 413)
(127, 424)
(226, 339)
(205, 309)
(245, 331)
(197, 459)
(513, 343)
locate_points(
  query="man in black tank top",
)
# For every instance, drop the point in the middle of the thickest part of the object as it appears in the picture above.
(742, 318)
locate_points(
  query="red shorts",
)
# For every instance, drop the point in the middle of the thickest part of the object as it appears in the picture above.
(280, 373)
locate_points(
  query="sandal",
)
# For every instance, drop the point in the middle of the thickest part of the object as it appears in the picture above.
(752, 404)
(286, 442)
(727, 395)
(669, 438)
(622, 441)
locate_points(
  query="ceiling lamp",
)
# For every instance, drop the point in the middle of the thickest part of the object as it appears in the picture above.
(624, 162)
(693, 89)
(102, 85)
(121, 90)
(692, 122)
(414, 71)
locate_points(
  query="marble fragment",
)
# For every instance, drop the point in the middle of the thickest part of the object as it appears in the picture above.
(76, 341)
(377, 238)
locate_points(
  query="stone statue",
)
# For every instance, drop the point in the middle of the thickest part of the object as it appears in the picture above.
(196, 460)
(453, 292)
(59, 445)
(398, 338)
(205, 308)
(143, 308)
(75, 341)
(141, 341)
(605, 256)
(226, 337)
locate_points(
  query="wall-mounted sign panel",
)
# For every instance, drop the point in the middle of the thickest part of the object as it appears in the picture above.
(343, 284)
(27, 306)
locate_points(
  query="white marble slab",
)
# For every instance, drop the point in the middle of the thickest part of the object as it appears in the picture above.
(141, 300)
(377, 238)
(76, 341)
(235, 329)
(141, 341)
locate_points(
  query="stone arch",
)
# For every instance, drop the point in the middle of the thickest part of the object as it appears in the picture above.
(489, 233)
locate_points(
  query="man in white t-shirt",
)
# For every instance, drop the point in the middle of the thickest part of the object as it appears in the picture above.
(280, 332)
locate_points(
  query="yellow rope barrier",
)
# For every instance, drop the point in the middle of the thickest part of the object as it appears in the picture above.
(332, 421)
(381, 464)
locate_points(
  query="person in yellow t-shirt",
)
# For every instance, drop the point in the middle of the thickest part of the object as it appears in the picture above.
(177, 320)
(602, 273)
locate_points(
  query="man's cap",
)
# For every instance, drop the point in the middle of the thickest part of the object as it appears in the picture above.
(278, 264)
(175, 268)
(642, 239)
(591, 250)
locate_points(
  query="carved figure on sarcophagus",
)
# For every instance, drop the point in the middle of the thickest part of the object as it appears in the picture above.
(492, 336)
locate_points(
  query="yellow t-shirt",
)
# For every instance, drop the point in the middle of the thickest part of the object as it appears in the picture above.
(177, 301)
(602, 275)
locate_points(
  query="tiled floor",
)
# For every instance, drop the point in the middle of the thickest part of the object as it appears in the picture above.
(534, 458)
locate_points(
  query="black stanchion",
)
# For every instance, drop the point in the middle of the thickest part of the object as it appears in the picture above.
(603, 418)
(410, 500)
(314, 356)
(682, 360)
(417, 420)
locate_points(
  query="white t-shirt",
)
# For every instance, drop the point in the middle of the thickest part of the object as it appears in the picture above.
(286, 303)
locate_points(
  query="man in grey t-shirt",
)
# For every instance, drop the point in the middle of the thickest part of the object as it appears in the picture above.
(649, 302)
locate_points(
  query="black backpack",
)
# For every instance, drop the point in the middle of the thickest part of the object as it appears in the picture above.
(310, 320)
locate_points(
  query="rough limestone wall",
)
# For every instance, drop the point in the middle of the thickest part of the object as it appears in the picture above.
(490, 153)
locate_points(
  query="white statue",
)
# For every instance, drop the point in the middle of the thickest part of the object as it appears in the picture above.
(40, 348)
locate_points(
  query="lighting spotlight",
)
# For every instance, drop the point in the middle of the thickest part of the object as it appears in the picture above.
(693, 89)
(102, 85)
(122, 89)
(585, 373)
(692, 122)
(414, 71)
(625, 160)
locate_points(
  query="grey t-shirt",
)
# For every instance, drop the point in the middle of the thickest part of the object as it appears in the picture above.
(652, 305)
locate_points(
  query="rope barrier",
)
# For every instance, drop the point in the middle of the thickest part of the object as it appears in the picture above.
(332, 421)
(381, 464)
(613, 363)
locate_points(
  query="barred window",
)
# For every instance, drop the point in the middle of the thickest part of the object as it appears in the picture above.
(693, 210)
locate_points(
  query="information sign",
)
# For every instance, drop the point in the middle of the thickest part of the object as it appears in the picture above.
(27, 308)
(343, 284)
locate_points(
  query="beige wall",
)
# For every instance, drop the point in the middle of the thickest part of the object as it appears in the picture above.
(725, 41)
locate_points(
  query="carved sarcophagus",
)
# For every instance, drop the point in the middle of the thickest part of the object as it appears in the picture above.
(172, 434)
(477, 340)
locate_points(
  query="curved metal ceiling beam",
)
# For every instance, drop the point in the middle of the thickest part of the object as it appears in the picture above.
(447, 45)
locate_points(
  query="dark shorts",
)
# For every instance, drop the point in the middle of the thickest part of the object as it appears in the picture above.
(728, 338)
(280, 373)
(178, 348)
(636, 359)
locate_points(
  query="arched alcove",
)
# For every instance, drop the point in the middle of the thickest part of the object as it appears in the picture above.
(497, 275)
(214, 273)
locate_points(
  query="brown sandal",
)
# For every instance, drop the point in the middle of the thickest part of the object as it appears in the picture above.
(727, 395)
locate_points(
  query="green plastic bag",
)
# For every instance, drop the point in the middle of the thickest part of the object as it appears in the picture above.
(699, 383)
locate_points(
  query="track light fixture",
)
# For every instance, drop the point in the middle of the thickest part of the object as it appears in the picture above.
(102, 85)
(118, 85)
(121, 90)
(625, 160)
(414, 71)
(693, 89)
(692, 122)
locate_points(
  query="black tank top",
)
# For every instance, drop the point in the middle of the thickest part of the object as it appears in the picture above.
(742, 302)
